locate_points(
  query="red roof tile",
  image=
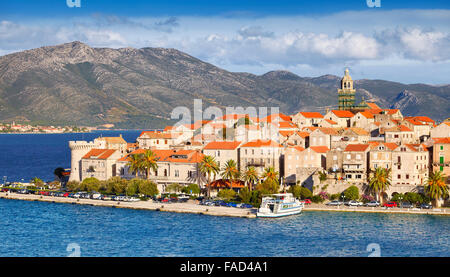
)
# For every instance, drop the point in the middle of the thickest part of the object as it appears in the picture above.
(356, 147)
(99, 154)
(223, 145)
(262, 143)
(344, 114)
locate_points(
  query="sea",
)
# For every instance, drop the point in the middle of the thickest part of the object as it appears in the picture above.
(40, 229)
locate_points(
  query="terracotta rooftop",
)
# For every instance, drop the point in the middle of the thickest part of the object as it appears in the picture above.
(356, 147)
(262, 143)
(400, 128)
(320, 149)
(157, 135)
(99, 154)
(222, 184)
(311, 114)
(372, 105)
(223, 145)
(442, 140)
(113, 140)
(343, 114)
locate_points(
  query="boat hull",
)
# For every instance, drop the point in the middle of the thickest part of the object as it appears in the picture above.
(279, 214)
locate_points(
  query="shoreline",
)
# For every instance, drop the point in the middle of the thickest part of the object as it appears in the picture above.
(141, 205)
(193, 208)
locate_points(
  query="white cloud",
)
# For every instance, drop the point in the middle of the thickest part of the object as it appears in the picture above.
(302, 43)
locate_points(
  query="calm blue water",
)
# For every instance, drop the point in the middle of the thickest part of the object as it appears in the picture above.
(37, 155)
(46, 229)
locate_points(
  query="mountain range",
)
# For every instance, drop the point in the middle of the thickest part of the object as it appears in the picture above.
(75, 84)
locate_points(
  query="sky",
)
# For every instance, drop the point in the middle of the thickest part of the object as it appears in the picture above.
(406, 40)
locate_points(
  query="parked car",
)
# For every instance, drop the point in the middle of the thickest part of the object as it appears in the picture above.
(96, 196)
(425, 206)
(390, 204)
(372, 204)
(307, 201)
(406, 205)
(246, 206)
(334, 203)
(106, 197)
(5, 190)
(354, 203)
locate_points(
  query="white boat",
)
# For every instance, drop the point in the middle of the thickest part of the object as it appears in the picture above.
(279, 205)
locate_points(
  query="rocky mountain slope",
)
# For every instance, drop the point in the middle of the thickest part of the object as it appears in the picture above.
(138, 88)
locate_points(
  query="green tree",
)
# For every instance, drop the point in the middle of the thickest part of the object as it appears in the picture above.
(436, 187)
(194, 188)
(380, 182)
(250, 177)
(148, 188)
(322, 176)
(227, 194)
(208, 166)
(90, 184)
(73, 186)
(132, 187)
(270, 175)
(352, 193)
(174, 187)
(135, 164)
(245, 195)
(149, 162)
(116, 185)
(230, 172)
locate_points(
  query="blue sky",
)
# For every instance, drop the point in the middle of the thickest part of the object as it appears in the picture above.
(406, 41)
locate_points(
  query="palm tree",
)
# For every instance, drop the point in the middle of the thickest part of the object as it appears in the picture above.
(250, 177)
(148, 162)
(436, 187)
(208, 167)
(270, 175)
(380, 181)
(230, 172)
(134, 164)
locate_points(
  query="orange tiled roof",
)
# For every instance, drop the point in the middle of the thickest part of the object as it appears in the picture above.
(358, 131)
(99, 154)
(400, 128)
(311, 114)
(367, 114)
(344, 114)
(157, 135)
(286, 133)
(302, 134)
(262, 143)
(296, 147)
(442, 140)
(330, 121)
(222, 183)
(273, 117)
(223, 145)
(320, 149)
(113, 140)
(328, 131)
(372, 105)
(356, 147)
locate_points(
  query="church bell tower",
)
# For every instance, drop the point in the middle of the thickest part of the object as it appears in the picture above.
(346, 92)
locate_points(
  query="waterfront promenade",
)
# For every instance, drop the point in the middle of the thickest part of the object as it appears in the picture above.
(192, 207)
